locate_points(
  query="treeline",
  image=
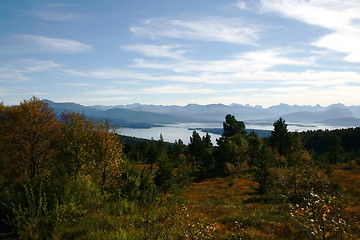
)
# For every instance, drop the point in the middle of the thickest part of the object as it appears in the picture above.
(343, 142)
(273, 162)
(70, 177)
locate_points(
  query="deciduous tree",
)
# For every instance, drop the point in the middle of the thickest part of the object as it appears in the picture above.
(108, 155)
(77, 134)
(30, 134)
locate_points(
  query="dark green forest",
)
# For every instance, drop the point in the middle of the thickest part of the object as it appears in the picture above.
(68, 177)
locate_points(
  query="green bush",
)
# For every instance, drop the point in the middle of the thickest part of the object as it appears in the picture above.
(136, 185)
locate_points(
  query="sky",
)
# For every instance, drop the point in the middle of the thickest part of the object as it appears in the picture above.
(171, 52)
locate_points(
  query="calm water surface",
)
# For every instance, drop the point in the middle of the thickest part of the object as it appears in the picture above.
(172, 132)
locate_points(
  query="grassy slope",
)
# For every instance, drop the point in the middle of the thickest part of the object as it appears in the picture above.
(218, 208)
(234, 207)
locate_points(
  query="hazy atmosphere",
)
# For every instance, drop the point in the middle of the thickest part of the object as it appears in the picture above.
(261, 52)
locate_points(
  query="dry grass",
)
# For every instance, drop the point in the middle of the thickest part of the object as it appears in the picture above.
(219, 191)
(225, 202)
(349, 180)
(237, 212)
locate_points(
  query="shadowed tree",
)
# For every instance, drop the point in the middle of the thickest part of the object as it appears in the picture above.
(335, 149)
(151, 155)
(232, 126)
(142, 149)
(201, 152)
(261, 168)
(280, 137)
(232, 150)
(164, 176)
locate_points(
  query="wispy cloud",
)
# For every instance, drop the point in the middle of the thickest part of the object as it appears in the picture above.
(211, 29)
(111, 92)
(110, 74)
(56, 12)
(241, 5)
(76, 84)
(168, 51)
(56, 16)
(248, 61)
(54, 44)
(92, 100)
(341, 17)
(19, 70)
(167, 89)
(10, 74)
(177, 89)
(35, 65)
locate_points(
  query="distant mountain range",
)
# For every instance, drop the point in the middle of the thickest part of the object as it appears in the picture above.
(143, 116)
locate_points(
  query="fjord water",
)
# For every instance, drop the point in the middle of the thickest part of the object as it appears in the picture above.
(183, 131)
(171, 132)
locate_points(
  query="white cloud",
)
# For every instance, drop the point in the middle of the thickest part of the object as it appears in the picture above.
(54, 44)
(19, 69)
(177, 89)
(212, 29)
(110, 74)
(248, 61)
(331, 14)
(346, 42)
(76, 84)
(341, 17)
(10, 74)
(56, 12)
(168, 51)
(56, 16)
(111, 92)
(167, 89)
(241, 5)
(34, 65)
(92, 100)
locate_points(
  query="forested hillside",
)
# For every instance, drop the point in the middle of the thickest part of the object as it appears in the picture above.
(69, 177)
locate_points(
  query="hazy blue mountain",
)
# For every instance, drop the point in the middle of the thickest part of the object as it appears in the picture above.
(308, 117)
(345, 122)
(355, 110)
(144, 115)
(213, 112)
(122, 117)
(72, 107)
(283, 109)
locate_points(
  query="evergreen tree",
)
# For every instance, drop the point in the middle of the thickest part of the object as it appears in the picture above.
(232, 126)
(261, 169)
(151, 155)
(164, 176)
(142, 149)
(255, 147)
(280, 137)
(335, 149)
(201, 151)
(232, 148)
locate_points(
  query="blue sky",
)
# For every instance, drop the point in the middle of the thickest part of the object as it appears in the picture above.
(257, 52)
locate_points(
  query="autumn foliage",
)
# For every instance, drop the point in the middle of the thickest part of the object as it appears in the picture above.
(68, 177)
